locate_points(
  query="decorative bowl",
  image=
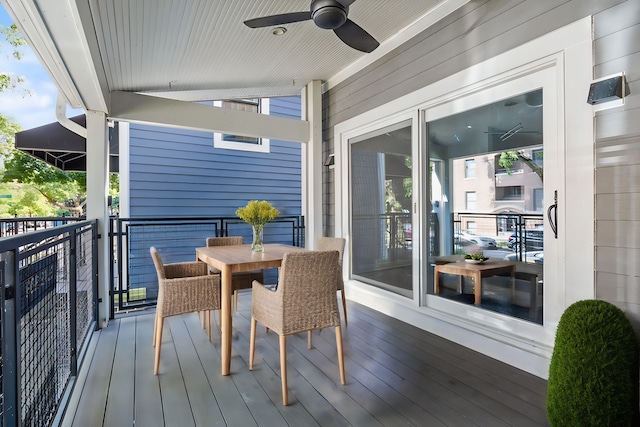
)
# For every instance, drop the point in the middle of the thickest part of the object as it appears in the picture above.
(475, 261)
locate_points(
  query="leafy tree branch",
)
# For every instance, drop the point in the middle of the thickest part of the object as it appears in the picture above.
(508, 158)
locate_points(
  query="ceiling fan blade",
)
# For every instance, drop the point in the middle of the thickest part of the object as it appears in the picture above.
(345, 3)
(270, 21)
(353, 35)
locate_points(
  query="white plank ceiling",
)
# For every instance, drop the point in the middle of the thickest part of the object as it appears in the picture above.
(203, 47)
(196, 50)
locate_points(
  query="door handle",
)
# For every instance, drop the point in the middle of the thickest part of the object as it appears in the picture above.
(553, 221)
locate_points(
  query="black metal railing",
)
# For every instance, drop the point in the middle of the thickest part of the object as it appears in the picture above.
(133, 278)
(49, 298)
(526, 229)
(48, 309)
(14, 226)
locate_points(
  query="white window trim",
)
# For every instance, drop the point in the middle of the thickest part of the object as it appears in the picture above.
(263, 147)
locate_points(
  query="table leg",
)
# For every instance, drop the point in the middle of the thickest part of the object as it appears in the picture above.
(477, 287)
(513, 285)
(436, 280)
(225, 320)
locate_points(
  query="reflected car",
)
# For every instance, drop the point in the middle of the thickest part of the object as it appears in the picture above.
(533, 240)
(471, 238)
(534, 257)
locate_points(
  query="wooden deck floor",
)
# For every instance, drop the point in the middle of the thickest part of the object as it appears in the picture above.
(397, 375)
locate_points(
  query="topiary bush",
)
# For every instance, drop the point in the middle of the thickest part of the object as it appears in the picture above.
(593, 377)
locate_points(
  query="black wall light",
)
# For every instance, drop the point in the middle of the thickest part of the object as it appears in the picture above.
(330, 160)
(607, 90)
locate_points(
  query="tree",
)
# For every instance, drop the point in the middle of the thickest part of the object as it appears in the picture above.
(509, 157)
(9, 127)
(30, 204)
(64, 190)
(15, 40)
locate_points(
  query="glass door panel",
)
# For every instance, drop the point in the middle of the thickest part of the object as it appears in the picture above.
(381, 223)
(486, 190)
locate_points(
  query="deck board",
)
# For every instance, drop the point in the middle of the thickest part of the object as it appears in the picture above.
(462, 373)
(120, 403)
(397, 375)
(174, 391)
(147, 395)
(235, 410)
(93, 396)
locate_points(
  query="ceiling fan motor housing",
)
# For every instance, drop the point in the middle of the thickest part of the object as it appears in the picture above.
(328, 14)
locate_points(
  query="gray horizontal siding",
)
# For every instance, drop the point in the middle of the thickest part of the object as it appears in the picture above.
(483, 29)
(476, 32)
(617, 149)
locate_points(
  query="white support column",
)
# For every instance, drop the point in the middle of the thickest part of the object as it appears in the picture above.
(312, 163)
(97, 191)
(123, 168)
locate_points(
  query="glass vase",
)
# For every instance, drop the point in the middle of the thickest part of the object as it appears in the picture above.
(257, 243)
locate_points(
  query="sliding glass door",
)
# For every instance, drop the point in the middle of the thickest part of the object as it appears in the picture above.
(487, 197)
(381, 213)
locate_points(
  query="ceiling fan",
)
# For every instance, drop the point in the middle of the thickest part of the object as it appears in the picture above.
(327, 14)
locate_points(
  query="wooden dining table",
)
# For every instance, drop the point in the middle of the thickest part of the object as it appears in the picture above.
(233, 259)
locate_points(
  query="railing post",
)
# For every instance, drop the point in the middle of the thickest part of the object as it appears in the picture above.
(10, 342)
(94, 272)
(73, 331)
(112, 257)
(121, 260)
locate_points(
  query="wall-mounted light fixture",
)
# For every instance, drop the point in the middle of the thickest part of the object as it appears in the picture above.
(330, 161)
(608, 89)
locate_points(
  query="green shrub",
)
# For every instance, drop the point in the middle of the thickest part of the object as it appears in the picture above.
(593, 377)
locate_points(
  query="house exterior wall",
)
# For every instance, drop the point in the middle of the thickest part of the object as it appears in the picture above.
(177, 173)
(617, 150)
(188, 177)
(483, 29)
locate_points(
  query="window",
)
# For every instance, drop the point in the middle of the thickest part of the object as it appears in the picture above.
(538, 202)
(470, 168)
(242, 142)
(515, 166)
(536, 157)
(471, 200)
(512, 192)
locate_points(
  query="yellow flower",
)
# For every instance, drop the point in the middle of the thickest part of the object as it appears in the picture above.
(257, 213)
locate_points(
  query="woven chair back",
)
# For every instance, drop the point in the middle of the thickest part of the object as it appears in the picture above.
(157, 262)
(225, 241)
(334, 244)
(307, 286)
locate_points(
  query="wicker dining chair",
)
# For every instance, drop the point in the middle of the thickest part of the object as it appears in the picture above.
(240, 280)
(336, 244)
(183, 287)
(304, 300)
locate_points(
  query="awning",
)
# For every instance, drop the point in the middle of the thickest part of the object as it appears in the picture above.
(58, 146)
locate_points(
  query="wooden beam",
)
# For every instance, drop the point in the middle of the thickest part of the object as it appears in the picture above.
(133, 107)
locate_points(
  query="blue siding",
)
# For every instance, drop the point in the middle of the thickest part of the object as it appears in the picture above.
(176, 172)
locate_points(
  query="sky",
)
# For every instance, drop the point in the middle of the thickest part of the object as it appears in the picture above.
(33, 104)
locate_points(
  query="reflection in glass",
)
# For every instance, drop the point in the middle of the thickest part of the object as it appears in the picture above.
(381, 187)
(497, 214)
